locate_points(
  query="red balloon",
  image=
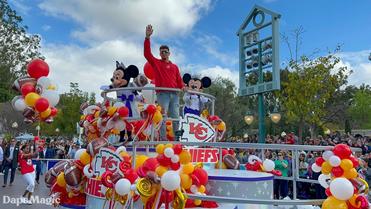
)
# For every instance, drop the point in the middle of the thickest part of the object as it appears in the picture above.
(163, 160)
(175, 166)
(131, 175)
(328, 192)
(37, 68)
(36, 138)
(337, 171)
(342, 150)
(177, 149)
(106, 179)
(27, 88)
(354, 161)
(123, 111)
(150, 164)
(53, 112)
(231, 152)
(201, 175)
(151, 109)
(148, 71)
(41, 104)
(320, 161)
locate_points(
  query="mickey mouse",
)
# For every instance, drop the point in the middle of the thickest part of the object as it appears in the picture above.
(194, 102)
(121, 79)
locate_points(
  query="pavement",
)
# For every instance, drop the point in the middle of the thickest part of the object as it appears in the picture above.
(10, 194)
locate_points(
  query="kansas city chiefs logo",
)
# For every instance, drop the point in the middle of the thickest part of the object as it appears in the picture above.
(196, 129)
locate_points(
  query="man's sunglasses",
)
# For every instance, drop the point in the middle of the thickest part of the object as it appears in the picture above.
(164, 52)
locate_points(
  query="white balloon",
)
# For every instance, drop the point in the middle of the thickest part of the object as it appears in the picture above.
(88, 172)
(268, 165)
(133, 187)
(327, 154)
(316, 168)
(194, 189)
(341, 188)
(122, 187)
(149, 95)
(20, 105)
(120, 149)
(44, 82)
(51, 96)
(120, 125)
(79, 153)
(324, 180)
(170, 180)
(169, 152)
(175, 159)
(335, 161)
(118, 104)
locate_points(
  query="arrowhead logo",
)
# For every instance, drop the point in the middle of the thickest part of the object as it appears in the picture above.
(196, 129)
(106, 160)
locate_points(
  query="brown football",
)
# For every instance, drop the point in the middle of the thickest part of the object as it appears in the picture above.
(115, 177)
(94, 146)
(58, 168)
(49, 178)
(72, 175)
(231, 162)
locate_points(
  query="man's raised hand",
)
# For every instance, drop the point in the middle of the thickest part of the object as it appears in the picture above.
(149, 31)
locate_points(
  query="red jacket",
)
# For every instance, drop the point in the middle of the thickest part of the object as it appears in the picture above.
(166, 73)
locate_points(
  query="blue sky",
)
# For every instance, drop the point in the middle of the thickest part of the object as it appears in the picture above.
(81, 39)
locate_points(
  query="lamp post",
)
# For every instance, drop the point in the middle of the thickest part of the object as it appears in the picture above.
(38, 130)
(15, 126)
(57, 131)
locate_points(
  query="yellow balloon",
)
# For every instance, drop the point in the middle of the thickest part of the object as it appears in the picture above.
(188, 168)
(157, 117)
(351, 174)
(160, 148)
(96, 114)
(31, 99)
(184, 157)
(221, 126)
(185, 181)
(332, 203)
(85, 158)
(124, 154)
(326, 168)
(61, 181)
(159, 108)
(139, 160)
(168, 145)
(160, 170)
(197, 202)
(46, 113)
(51, 87)
(202, 189)
(112, 110)
(346, 164)
(82, 117)
(217, 165)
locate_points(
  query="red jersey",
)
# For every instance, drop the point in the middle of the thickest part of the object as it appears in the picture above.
(166, 73)
(25, 164)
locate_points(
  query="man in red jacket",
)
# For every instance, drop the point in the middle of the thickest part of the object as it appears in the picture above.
(166, 75)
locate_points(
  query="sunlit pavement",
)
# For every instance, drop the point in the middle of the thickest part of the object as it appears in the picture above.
(9, 193)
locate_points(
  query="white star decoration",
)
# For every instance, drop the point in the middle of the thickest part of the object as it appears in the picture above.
(235, 184)
(228, 194)
(220, 190)
(265, 185)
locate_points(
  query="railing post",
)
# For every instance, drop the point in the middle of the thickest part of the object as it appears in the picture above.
(295, 173)
(134, 153)
(220, 162)
(152, 125)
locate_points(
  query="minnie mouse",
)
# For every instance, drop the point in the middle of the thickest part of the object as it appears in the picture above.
(194, 102)
(121, 79)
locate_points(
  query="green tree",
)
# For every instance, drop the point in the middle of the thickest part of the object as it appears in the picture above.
(310, 86)
(17, 47)
(360, 109)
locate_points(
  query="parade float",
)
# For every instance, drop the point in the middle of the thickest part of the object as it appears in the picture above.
(126, 166)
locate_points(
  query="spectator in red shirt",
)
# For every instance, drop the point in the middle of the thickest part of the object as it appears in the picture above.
(27, 170)
(166, 75)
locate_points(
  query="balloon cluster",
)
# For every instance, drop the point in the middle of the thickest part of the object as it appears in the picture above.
(229, 160)
(101, 120)
(256, 164)
(344, 188)
(39, 96)
(66, 182)
(120, 185)
(164, 179)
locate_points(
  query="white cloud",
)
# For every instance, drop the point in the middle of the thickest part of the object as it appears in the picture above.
(105, 20)
(20, 6)
(210, 44)
(359, 63)
(46, 27)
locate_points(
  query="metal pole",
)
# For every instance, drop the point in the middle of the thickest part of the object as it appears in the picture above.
(220, 162)
(294, 173)
(261, 101)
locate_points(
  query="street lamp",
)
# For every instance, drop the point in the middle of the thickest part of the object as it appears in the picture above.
(275, 116)
(15, 125)
(57, 130)
(38, 130)
(249, 118)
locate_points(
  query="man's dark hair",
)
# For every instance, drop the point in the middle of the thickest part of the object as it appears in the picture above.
(164, 47)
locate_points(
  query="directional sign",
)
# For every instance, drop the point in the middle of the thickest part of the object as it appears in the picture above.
(196, 129)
